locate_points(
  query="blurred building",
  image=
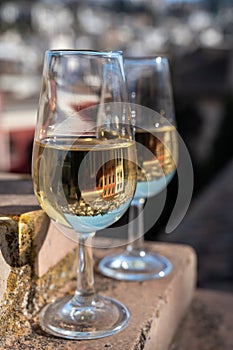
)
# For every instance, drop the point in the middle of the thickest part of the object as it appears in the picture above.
(197, 35)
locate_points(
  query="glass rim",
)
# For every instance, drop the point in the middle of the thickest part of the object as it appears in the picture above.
(74, 52)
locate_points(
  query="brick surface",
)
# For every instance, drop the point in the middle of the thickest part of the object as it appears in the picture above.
(156, 307)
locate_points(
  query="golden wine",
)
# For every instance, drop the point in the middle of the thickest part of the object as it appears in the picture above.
(157, 154)
(84, 183)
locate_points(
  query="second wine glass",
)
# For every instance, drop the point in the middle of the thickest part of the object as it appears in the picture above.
(150, 93)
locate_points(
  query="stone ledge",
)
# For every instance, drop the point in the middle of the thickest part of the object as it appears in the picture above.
(156, 306)
(35, 260)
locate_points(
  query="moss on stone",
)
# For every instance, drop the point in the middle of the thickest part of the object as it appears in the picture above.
(12, 318)
(26, 294)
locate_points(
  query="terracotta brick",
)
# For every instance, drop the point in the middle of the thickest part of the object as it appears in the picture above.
(38, 263)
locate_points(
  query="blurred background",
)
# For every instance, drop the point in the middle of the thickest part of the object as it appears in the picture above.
(197, 35)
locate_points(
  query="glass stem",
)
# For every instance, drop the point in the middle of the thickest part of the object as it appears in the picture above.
(85, 291)
(136, 226)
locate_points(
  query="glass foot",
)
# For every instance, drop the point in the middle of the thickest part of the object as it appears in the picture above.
(100, 317)
(135, 266)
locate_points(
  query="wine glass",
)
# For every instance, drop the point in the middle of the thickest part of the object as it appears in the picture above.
(150, 92)
(84, 174)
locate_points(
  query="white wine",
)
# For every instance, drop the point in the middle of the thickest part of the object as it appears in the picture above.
(156, 159)
(84, 183)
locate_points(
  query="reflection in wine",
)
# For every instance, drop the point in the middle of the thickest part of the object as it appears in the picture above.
(82, 182)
